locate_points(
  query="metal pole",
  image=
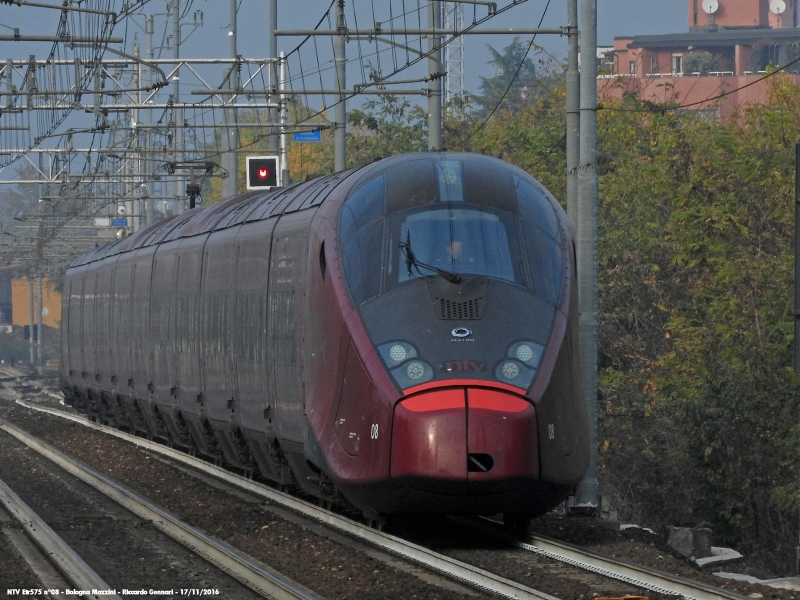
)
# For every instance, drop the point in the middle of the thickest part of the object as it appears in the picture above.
(340, 112)
(284, 159)
(573, 113)
(30, 318)
(586, 496)
(136, 205)
(39, 330)
(272, 44)
(797, 294)
(435, 81)
(230, 160)
(150, 213)
(178, 190)
(797, 258)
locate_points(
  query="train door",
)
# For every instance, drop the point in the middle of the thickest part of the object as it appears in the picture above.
(102, 312)
(88, 327)
(120, 351)
(140, 318)
(65, 303)
(286, 284)
(217, 300)
(75, 333)
(190, 263)
(254, 241)
(162, 315)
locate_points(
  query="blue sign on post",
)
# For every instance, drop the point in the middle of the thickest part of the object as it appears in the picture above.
(119, 222)
(308, 136)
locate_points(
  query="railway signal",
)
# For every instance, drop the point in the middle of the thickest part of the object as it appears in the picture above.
(262, 172)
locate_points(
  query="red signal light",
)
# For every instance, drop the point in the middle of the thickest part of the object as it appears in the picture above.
(262, 171)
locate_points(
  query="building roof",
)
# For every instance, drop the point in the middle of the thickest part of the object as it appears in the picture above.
(746, 36)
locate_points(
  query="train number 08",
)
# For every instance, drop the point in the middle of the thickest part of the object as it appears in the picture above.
(373, 431)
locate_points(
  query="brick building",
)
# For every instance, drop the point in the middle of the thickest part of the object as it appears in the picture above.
(729, 45)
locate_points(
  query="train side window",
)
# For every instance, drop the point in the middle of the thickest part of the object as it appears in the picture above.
(361, 259)
(535, 207)
(544, 260)
(364, 205)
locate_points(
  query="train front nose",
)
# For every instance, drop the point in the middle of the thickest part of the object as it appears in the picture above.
(464, 433)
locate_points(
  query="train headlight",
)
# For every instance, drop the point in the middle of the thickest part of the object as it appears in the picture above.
(394, 353)
(404, 364)
(529, 353)
(411, 373)
(514, 372)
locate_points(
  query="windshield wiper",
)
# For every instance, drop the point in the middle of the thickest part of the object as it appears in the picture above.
(411, 261)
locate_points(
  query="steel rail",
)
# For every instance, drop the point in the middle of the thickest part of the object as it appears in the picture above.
(648, 578)
(444, 565)
(239, 566)
(71, 565)
(644, 577)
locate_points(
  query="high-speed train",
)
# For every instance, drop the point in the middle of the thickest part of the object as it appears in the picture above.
(400, 337)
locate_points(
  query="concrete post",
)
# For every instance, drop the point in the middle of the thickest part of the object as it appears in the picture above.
(435, 83)
(179, 189)
(573, 114)
(230, 160)
(340, 111)
(587, 241)
(272, 46)
(150, 210)
(30, 318)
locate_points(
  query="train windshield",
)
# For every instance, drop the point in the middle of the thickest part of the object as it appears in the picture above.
(456, 239)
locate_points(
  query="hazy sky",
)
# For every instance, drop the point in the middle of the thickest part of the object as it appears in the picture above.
(615, 18)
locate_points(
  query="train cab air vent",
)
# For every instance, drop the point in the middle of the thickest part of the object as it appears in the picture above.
(463, 310)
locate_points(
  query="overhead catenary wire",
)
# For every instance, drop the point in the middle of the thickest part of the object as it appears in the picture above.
(510, 84)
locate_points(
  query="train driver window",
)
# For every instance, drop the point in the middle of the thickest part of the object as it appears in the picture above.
(468, 240)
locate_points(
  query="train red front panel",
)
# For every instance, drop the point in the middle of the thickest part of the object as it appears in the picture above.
(503, 427)
(429, 436)
(437, 432)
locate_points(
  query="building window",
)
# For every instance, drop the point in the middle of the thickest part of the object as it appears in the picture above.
(632, 67)
(654, 65)
(677, 64)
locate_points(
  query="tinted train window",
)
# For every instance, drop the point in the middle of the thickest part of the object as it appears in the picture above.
(535, 207)
(544, 260)
(465, 239)
(362, 207)
(361, 258)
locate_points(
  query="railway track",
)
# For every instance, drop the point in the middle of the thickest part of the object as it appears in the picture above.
(256, 580)
(635, 576)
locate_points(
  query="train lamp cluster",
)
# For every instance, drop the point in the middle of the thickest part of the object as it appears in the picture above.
(519, 366)
(404, 364)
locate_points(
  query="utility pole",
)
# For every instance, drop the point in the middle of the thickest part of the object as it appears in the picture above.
(230, 161)
(586, 497)
(434, 78)
(178, 191)
(573, 113)
(39, 331)
(340, 112)
(30, 318)
(272, 43)
(284, 158)
(150, 212)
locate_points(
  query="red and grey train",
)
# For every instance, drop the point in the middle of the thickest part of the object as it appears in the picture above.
(401, 337)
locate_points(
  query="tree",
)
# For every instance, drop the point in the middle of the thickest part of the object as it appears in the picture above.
(519, 80)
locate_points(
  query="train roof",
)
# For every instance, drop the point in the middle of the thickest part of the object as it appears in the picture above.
(243, 208)
(256, 206)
